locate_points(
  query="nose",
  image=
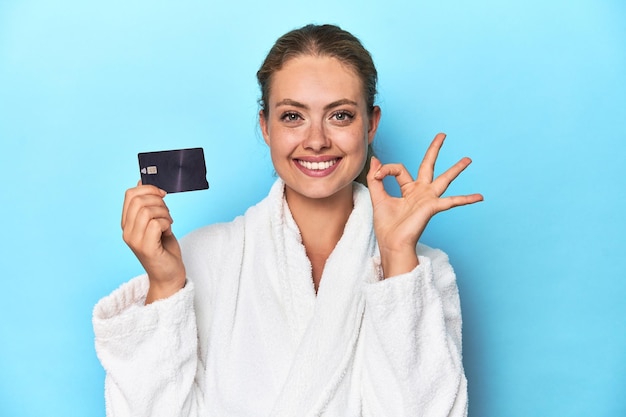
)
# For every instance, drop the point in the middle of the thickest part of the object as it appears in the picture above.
(317, 138)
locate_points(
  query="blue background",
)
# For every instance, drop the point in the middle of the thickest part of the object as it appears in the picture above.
(534, 91)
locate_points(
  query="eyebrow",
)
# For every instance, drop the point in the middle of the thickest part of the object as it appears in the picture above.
(290, 102)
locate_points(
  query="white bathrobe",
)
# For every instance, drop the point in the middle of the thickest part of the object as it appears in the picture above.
(248, 336)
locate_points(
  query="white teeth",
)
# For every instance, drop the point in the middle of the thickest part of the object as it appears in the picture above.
(317, 166)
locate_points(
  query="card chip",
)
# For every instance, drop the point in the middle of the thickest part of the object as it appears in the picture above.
(152, 170)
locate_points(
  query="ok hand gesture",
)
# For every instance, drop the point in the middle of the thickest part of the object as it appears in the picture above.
(399, 222)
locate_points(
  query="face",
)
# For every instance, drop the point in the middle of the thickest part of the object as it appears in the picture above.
(318, 127)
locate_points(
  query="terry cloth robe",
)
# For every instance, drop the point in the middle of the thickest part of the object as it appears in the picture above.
(248, 336)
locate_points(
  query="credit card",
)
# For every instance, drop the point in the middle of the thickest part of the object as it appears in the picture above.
(174, 171)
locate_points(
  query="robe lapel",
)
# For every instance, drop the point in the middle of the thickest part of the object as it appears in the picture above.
(325, 327)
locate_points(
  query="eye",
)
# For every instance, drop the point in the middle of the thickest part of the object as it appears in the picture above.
(342, 116)
(290, 116)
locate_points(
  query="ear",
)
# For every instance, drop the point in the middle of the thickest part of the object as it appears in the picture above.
(374, 119)
(263, 125)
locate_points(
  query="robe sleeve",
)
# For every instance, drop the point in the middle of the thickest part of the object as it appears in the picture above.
(149, 352)
(412, 351)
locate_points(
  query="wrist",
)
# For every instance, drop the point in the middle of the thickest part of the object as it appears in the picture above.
(394, 262)
(161, 290)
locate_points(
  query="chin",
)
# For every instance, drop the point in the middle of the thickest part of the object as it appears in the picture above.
(319, 191)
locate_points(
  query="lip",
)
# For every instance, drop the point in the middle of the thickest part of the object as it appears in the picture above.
(315, 171)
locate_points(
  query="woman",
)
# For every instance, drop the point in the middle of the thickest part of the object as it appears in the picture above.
(319, 300)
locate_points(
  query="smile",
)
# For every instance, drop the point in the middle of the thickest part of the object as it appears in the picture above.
(317, 166)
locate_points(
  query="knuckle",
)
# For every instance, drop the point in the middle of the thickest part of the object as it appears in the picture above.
(144, 212)
(154, 225)
(127, 236)
(130, 193)
(130, 242)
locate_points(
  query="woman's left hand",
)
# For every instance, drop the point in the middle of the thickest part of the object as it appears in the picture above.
(399, 222)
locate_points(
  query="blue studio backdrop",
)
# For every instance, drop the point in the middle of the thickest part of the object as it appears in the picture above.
(533, 90)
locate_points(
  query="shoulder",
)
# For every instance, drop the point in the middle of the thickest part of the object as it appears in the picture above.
(219, 234)
(212, 234)
(206, 248)
(217, 243)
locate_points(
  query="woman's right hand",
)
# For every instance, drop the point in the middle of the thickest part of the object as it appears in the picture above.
(147, 230)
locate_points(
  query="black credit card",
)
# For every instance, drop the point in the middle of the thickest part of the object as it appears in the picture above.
(174, 171)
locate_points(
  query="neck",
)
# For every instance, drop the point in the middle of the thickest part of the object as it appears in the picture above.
(321, 223)
(322, 216)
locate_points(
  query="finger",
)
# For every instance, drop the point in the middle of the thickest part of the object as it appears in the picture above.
(395, 170)
(135, 230)
(375, 185)
(148, 207)
(426, 170)
(139, 190)
(140, 203)
(154, 232)
(447, 203)
(151, 244)
(443, 181)
(135, 234)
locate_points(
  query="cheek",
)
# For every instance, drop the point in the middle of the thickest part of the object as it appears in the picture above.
(354, 140)
(282, 142)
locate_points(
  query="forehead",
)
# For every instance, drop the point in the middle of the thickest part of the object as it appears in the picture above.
(316, 78)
